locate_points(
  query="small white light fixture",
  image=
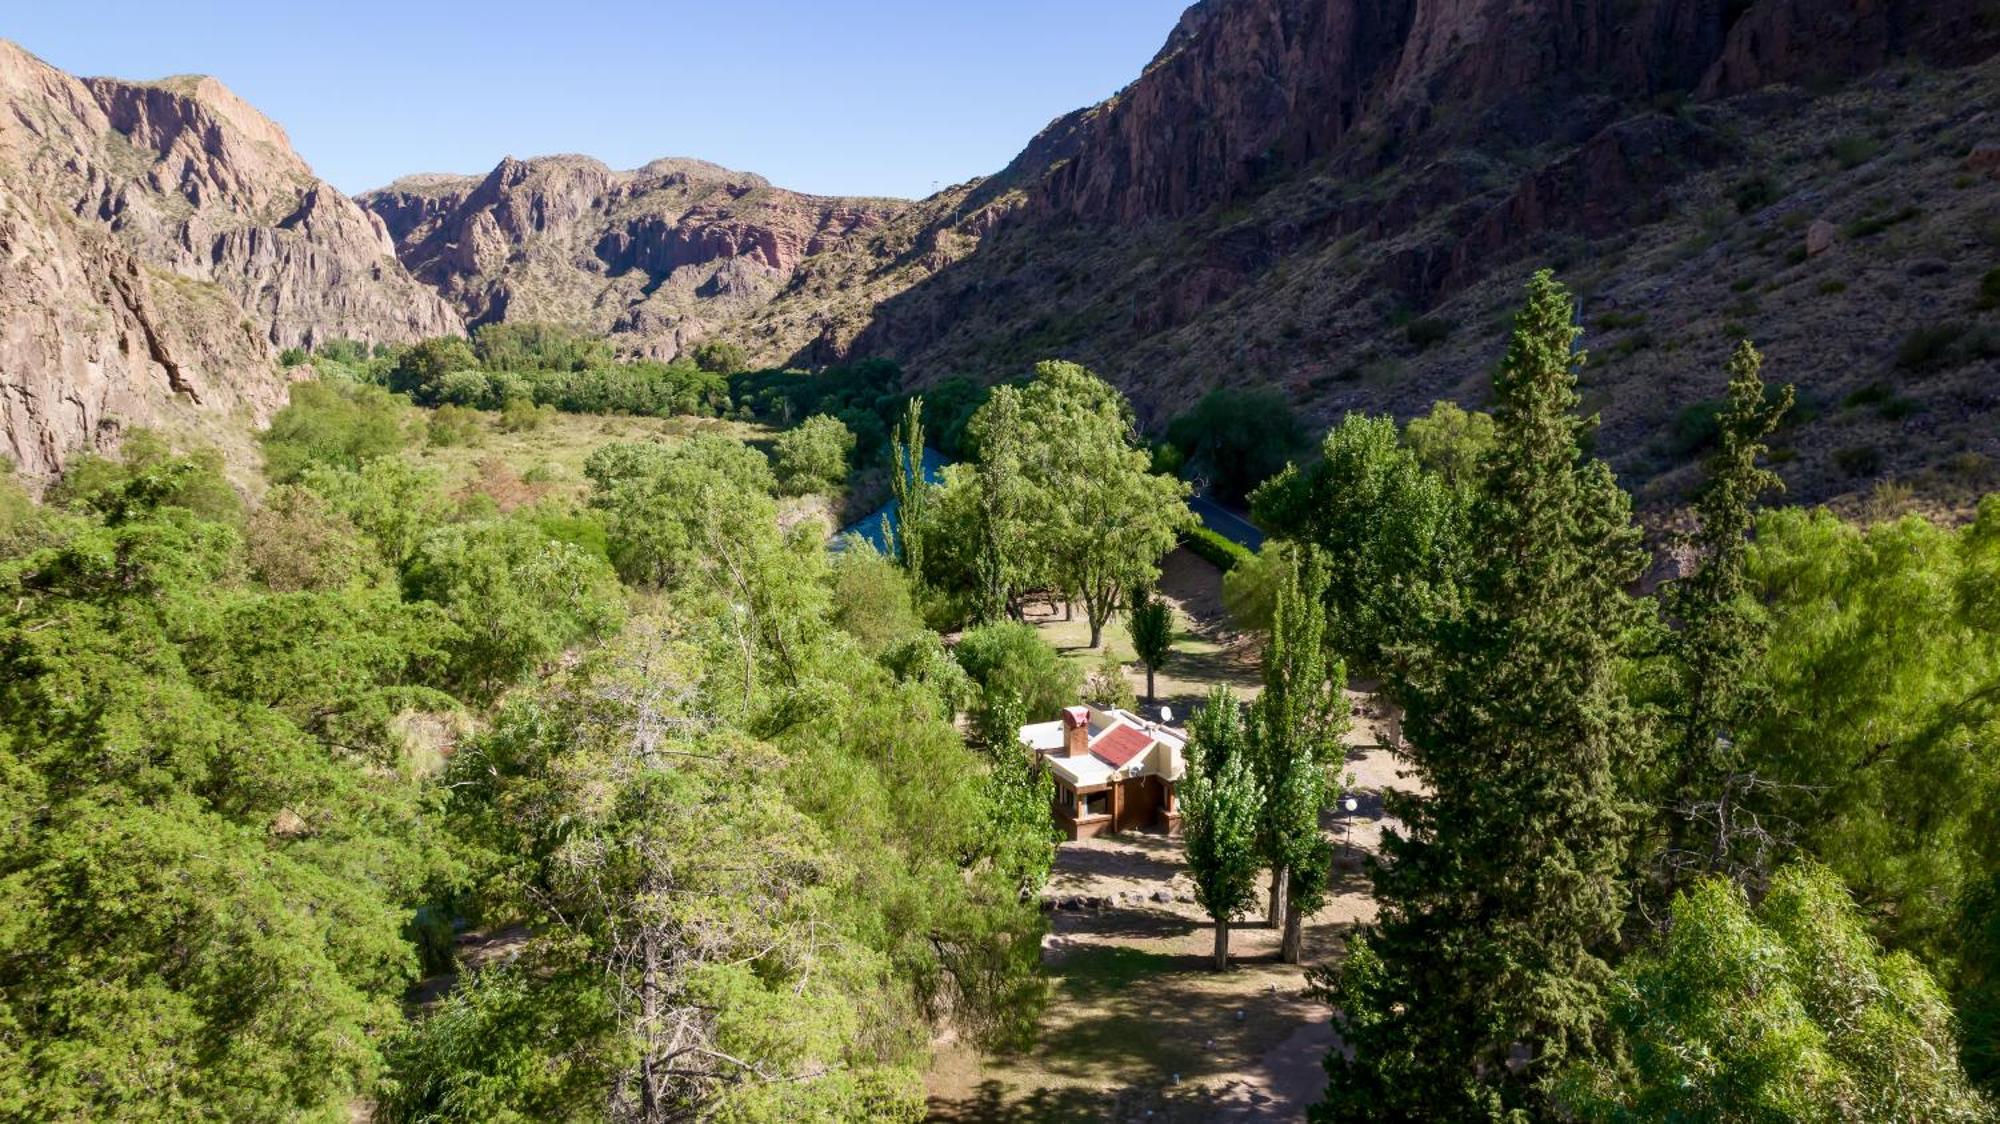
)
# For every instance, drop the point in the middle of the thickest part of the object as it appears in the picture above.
(1166, 714)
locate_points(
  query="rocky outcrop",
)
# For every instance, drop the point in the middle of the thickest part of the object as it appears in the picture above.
(158, 242)
(1292, 184)
(660, 255)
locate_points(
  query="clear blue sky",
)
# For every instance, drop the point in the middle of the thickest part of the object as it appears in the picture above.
(880, 97)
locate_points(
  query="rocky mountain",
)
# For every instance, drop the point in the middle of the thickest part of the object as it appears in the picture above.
(1341, 198)
(661, 255)
(158, 242)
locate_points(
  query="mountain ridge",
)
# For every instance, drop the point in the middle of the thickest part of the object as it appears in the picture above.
(159, 242)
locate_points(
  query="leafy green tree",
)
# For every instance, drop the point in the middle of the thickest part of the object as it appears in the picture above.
(519, 345)
(296, 541)
(209, 839)
(1082, 493)
(421, 369)
(1486, 973)
(1294, 732)
(1391, 530)
(812, 457)
(1238, 438)
(334, 425)
(1012, 658)
(1019, 795)
(1786, 1012)
(1719, 637)
(1878, 748)
(1151, 622)
(1215, 731)
(671, 509)
(518, 598)
(1451, 441)
(871, 600)
(692, 902)
(720, 357)
(1219, 813)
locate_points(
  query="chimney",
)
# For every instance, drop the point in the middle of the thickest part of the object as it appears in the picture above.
(1076, 731)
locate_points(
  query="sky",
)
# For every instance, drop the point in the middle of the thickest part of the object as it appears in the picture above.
(846, 97)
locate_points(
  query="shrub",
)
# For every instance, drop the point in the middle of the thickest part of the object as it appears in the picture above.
(1869, 225)
(1870, 395)
(522, 416)
(1829, 288)
(1012, 657)
(1694, 428)
(1989, 290)
(1753, 193)
(1224, 554)
(352, 353)
(1427, 332)
(1898, 408)
(453, 425)
(1929, 348)
(291, 357)
(1852, 151)
(1107, 687)
(1858, 460)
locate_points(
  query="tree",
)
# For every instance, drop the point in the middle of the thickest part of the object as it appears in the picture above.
(1151, 622)
(1485, 973)
(1294, 729)
(1012, 658)
(1219, 811)
(1237, 437)
(520, 345)
(1391, 530)
(912, 490)
(1215, 731)
(812, 456)
(1719, 640)
(518, 597)
(1788, 1012)
(720, 357)
(421, 369)
(1077, 487)
(1451, 441)
(336, 425)
(1877, 745)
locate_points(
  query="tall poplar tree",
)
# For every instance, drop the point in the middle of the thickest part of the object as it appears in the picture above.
(1219, 815)
(911, 488)
(1485, 973)
(1719, 634)
(1295, 724)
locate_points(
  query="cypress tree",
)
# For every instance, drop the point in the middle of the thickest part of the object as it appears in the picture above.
(1719, 632)
(1485, 970)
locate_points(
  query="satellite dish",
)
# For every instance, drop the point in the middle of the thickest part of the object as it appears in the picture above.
(1166, 714)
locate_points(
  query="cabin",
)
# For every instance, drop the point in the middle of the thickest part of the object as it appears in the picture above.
(1114, 770)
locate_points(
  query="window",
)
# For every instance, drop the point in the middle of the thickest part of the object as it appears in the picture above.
(1097, 803)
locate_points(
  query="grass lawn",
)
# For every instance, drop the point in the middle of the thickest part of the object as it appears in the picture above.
(1208, 647)
(549, 458)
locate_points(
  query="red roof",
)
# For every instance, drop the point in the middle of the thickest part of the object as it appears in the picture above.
(1118, 745)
